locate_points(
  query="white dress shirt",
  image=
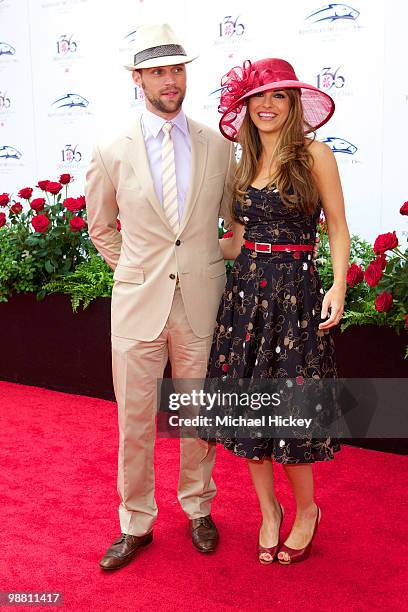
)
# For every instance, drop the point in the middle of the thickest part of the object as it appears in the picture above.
(153, 136)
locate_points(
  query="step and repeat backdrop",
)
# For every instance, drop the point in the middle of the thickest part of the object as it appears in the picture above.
(63, 85)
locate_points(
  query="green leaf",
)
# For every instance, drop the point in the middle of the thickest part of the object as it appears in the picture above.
(49, 267)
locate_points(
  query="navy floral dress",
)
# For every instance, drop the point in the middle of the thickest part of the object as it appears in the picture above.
(268, 319)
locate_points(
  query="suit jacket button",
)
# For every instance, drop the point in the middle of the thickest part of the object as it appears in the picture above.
(172, 276)
(178, 242)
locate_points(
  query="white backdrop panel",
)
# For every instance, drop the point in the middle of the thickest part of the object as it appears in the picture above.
(63, 85)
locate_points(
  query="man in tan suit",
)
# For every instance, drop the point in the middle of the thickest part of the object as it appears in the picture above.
(169, 180)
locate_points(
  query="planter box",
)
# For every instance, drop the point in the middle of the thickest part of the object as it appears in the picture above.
(48, 345)
(45, 344)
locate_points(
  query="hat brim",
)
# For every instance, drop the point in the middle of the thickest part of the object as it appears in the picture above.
(166, 60)
(237, 108)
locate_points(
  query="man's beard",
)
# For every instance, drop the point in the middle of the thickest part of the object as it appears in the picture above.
(163, 107)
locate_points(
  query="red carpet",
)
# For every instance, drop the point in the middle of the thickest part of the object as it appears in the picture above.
(59, 513)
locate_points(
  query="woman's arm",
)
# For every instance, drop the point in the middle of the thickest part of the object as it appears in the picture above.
(326, 175)
(231, 247)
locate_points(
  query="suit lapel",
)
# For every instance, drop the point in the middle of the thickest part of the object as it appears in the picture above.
(199, 147)
(139, 161)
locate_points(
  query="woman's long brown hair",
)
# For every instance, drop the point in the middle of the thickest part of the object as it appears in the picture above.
(293, 177)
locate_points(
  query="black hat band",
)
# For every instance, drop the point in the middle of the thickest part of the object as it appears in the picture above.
(160, 51)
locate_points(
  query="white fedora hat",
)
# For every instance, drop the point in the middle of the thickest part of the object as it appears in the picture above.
(157, 45)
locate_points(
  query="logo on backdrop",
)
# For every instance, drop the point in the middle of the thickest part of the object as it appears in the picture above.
(71, 154)
(332, 19)
(214, 99)
(6, 49)
(138, 99)
(71, 157)
(230, 27)
(126, 43)
(232, 34)
(330, 79)
(333, 12)
(70, 100)
(70, 108)
(66, 45)
(131, 37)
(8, 152)
(340, 145)
(5, 101)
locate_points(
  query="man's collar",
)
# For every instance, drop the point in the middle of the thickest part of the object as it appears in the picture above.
(153, 123)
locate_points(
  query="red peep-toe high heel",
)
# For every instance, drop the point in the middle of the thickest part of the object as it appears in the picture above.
(272, 550)
(300, 554)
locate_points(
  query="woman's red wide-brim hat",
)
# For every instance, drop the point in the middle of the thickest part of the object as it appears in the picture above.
(269, 74)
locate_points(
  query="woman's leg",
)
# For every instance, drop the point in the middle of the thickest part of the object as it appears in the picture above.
(262, 477)
(300, 477)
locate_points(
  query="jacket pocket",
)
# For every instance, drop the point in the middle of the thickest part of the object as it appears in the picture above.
(128, 275)
(216, 269)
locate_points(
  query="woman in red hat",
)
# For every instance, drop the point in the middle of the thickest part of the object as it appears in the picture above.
(274, 320)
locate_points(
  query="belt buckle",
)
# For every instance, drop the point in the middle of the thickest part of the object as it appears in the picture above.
(266, 244)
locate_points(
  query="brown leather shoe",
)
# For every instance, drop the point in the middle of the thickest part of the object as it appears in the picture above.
(204, 534)
(123, 550)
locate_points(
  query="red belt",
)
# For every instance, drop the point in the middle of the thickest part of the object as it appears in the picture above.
(264, 247)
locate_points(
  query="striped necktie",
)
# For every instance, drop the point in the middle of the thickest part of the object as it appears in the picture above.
(170, 204)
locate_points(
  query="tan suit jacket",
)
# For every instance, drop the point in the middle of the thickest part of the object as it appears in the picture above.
(145, 255)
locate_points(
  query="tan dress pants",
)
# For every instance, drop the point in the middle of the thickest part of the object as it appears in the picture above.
(136, 367)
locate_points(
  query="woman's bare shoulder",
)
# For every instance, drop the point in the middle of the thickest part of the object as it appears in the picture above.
(318, 150)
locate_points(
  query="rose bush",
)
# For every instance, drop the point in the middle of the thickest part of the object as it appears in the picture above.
(377, 280)
(41, 239)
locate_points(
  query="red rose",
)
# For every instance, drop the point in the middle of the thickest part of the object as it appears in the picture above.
(71, 204)
(263, 283)
(26, 193)
(43, 185)
(383, 301)
(404, 209)
(65, 179)
(37, 204)
(81, 202)
(299, 380)
(381, 261)
(77, 224)
(2, 219)
(225, 367)
(4, 199)
(373, 274)
(118, 224)
(355, 275)
(227, 235)
(16, 208)
(53, 187)
(385, 242)
(40, 223)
